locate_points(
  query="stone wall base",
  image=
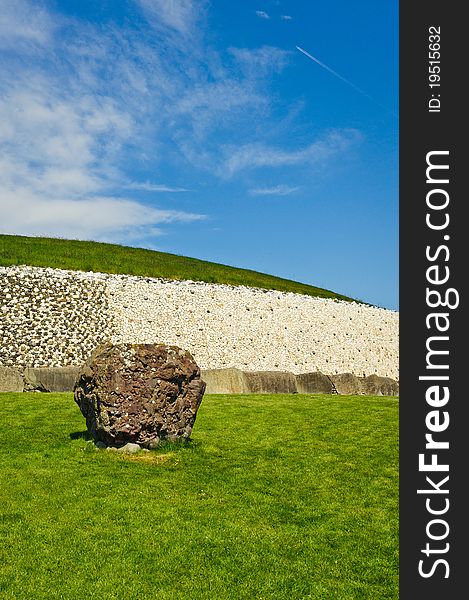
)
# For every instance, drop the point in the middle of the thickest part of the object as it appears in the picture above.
(235, 381)
(219, 381)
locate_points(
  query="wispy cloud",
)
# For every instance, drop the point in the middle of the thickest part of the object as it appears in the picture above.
(19, 25)
(251, 156)
(180, 16)
(207, 107)
(64, 139)
(259, 62)
(286, 17)
(154, 187)
(262, 14)
(90, 113)
(55, 177)
(278, 190)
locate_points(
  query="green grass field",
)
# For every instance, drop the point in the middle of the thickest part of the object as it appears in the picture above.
(109, 258)
(276, 497)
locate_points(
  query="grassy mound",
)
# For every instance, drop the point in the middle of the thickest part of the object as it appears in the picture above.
(109, 258)
(276, 497)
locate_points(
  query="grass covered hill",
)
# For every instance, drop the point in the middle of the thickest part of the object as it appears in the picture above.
(110, 258)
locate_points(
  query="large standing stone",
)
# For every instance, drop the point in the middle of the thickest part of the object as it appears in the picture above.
(139, 393)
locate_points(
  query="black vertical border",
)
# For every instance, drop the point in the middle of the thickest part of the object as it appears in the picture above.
(421, 132)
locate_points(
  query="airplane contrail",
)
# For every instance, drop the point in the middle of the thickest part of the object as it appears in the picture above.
(321, 64)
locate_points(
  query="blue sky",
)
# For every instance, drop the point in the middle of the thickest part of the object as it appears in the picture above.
(198, 128)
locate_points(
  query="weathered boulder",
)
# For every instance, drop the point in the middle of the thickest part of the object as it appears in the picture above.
(139, 393)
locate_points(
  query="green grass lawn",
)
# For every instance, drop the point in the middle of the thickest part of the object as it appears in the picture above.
(276, 497)
(109, 258)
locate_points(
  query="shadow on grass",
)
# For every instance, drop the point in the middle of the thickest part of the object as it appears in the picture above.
(163, 446)
(80, 435)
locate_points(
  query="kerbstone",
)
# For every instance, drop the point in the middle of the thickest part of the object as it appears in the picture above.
(51, 379)
(269, 382)
(11, 380)
(346, 384)
(224, 381)
(374, 385)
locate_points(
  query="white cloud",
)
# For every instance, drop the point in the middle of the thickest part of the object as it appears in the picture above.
(58, 145)
(209, 106)
(257, 155)
(180, 16)
(24, 212)
(22, 24)
(224, 103)
(62, 140)
(85, 107)
(262, 61)
(262, 14)
(286, 17)
(154, 187)
(42, 124)
(278, 190)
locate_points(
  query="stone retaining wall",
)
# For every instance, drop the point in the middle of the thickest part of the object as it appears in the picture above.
(219, 381)
(54, 318)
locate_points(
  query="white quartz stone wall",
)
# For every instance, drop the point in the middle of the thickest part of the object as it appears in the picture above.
(51, 318)
(222, 326)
